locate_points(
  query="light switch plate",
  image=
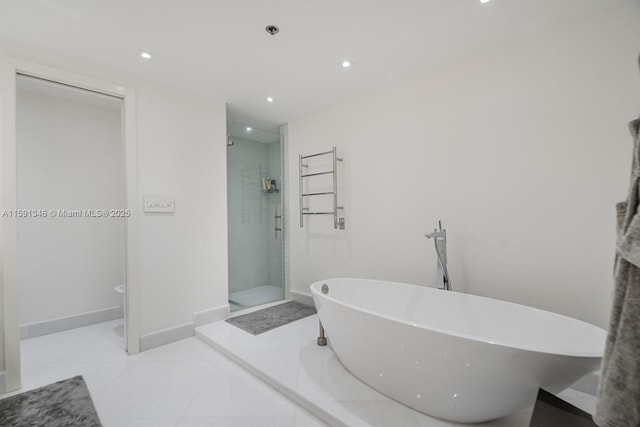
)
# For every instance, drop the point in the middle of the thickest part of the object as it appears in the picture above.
(159, 204)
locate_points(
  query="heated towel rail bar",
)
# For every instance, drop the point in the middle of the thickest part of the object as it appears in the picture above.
(338, 223)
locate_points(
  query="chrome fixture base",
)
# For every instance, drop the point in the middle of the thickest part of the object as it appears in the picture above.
(322, 339)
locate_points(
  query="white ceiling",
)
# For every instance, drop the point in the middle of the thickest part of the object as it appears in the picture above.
(221, 46)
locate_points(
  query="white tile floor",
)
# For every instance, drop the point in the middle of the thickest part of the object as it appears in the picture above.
(188, 383)
(291, 361)
(185, 383)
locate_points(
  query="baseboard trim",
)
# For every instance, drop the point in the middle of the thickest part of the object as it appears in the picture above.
(46, 327)
(211, 315)
(302, 298)
(3, 383)
(166, 336)
(185, 330)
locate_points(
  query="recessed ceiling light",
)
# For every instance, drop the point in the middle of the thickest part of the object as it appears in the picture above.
(145, 55)
(346, 64)
(269, 99)
(272, 29)
(249, 129)
(485, 1)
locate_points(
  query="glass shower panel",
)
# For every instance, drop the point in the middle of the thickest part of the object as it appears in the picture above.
(255, 226)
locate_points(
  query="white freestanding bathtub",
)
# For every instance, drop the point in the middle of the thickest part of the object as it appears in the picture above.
(454, 356)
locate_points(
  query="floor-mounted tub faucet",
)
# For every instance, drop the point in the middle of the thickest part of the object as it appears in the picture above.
(440, 242)
(322, 339)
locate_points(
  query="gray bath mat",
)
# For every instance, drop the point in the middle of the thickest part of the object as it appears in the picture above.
(62, 404)
(270, 318)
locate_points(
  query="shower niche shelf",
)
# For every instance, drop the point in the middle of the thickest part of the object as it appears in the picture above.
(269, 186)
(338, 222)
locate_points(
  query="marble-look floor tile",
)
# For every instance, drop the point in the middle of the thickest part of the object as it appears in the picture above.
(584, 401)
(304, 419)
(283, 364)
(153, 390)
(190, 349)
(322, 377)
(97, 375)
(182, 383)
(144, 422)
(229, 390)
(53, 347)
(240, 421)
(100, 350)
(30, 369)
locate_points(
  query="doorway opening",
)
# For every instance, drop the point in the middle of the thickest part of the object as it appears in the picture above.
(256, 226)
(71, 198)
(11, 69)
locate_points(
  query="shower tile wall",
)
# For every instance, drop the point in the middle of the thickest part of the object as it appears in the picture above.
(253, 261)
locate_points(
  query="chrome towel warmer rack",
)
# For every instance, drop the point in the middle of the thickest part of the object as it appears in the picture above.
(338, 223)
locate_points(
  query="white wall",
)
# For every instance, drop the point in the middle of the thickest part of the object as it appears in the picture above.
(521, 153)
(183, 257)
(181, 152)
(69, 157)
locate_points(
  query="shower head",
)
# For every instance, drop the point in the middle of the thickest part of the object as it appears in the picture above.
(229, 141)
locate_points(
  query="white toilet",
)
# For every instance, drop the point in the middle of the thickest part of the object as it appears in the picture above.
(120, 291)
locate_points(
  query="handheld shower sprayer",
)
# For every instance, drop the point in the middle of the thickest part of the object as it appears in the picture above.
(440, 243)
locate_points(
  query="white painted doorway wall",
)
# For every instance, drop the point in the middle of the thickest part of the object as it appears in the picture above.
(10, 68)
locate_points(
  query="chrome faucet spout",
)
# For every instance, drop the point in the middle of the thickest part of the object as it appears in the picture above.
(440, 242)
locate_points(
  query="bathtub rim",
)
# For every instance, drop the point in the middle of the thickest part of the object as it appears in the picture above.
(316, 292)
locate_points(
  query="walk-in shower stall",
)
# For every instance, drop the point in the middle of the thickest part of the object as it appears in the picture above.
(256, 228)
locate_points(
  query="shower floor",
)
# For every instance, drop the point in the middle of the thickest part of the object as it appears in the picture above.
(256, 296)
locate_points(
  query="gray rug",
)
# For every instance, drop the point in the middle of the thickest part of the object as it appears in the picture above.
(62, 404)
(270, 318)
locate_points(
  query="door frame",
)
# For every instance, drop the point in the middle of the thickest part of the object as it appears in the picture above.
(9, 281)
